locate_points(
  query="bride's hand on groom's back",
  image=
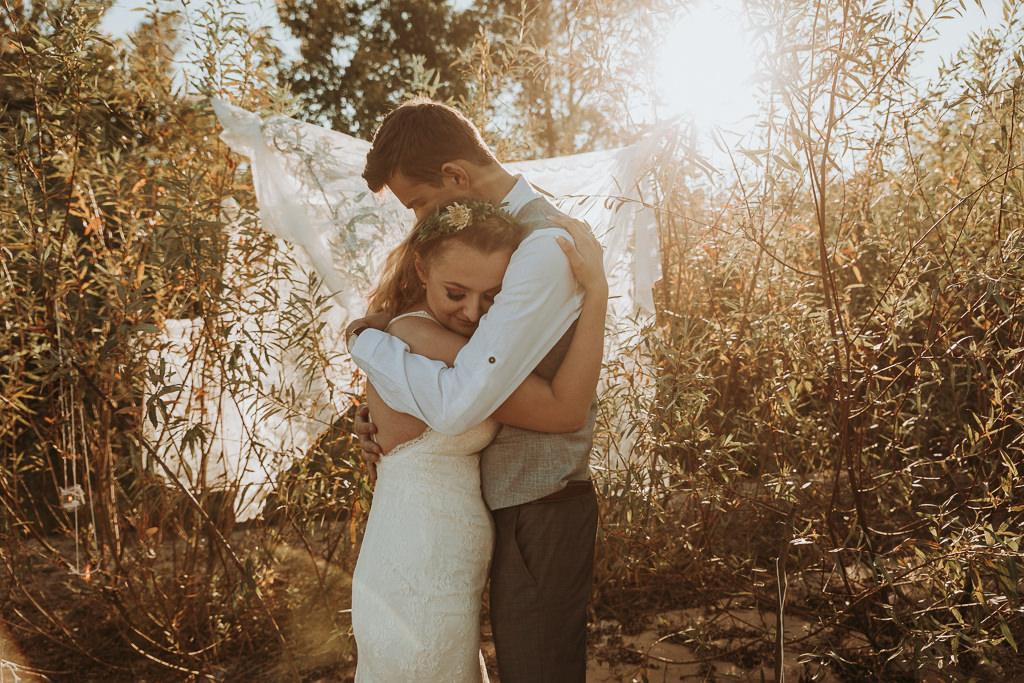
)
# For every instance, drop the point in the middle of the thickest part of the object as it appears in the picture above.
(586, 258)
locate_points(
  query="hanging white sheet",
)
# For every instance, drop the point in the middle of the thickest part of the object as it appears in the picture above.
(311, 195)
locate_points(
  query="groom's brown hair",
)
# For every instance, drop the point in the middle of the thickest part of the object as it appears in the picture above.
(419, 137)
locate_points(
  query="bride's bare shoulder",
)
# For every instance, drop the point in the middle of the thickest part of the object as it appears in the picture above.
(410, 328)
(427, 337)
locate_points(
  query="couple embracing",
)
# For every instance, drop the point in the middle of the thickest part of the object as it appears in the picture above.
(479, 428)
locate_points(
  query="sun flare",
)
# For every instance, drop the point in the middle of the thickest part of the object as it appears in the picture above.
(705, 65)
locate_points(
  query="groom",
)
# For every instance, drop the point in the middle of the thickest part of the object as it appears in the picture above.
(537, 485)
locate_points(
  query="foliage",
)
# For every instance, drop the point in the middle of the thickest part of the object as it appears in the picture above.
(851, 318)
(113, 227)
(83, 277)
(559, 76)
(359, 58)
(540, 78)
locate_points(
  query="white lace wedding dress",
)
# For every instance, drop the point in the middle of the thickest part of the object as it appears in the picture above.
(417, 585)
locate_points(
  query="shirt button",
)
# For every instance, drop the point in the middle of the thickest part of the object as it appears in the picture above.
(491, 359)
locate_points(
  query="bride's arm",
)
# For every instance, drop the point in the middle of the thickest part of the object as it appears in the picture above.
(563, 404)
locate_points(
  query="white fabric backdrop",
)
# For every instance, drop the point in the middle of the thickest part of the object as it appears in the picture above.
(311, 195)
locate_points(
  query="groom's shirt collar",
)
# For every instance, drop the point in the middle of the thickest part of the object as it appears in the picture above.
(521, 194)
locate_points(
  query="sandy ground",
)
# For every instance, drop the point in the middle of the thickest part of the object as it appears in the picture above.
(726, 640)
(14, 668)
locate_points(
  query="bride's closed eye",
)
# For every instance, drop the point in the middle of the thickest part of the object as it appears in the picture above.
(454, 296)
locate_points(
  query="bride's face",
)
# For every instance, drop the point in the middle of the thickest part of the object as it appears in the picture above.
(461, 283)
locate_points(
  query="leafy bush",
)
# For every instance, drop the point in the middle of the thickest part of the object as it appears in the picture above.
(113, 224)
(839, 364)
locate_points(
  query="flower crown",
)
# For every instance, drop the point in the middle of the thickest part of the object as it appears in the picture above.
(450, 219)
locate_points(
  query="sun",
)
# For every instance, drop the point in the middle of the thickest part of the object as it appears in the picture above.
(705, 65)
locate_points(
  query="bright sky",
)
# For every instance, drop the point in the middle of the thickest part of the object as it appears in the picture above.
(707, 59)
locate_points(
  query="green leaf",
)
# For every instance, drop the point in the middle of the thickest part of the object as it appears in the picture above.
(1005, 628)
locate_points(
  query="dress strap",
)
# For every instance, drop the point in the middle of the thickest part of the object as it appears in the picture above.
(413, 314)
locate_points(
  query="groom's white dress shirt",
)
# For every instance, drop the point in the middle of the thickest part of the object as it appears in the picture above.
(539, 300)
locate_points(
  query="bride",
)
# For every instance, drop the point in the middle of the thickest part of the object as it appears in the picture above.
(417, 585)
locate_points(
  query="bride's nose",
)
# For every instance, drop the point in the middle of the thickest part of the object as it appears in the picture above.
(473, 309)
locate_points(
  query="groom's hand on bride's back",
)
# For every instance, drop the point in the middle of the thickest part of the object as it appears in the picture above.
(365, 430)
(362, 427)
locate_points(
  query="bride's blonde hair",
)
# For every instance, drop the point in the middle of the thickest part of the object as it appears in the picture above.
(479, 225)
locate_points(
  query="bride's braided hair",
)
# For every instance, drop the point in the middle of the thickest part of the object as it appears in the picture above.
(479, 225)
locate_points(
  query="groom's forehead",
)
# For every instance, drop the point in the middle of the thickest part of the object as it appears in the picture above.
(403, 187)
(412, 192)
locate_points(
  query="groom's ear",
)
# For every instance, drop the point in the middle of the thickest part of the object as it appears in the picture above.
(456, 173)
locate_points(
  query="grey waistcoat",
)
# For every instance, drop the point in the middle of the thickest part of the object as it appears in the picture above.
(522, 465)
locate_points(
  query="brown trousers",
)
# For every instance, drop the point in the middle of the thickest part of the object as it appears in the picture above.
(540, 583)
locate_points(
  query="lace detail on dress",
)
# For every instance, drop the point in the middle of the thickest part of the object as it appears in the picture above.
(424, 560)
(408, 444)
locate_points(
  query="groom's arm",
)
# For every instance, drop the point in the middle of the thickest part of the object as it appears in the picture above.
(538, 302)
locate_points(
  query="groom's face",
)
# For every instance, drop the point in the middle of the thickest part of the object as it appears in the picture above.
(422, 198)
